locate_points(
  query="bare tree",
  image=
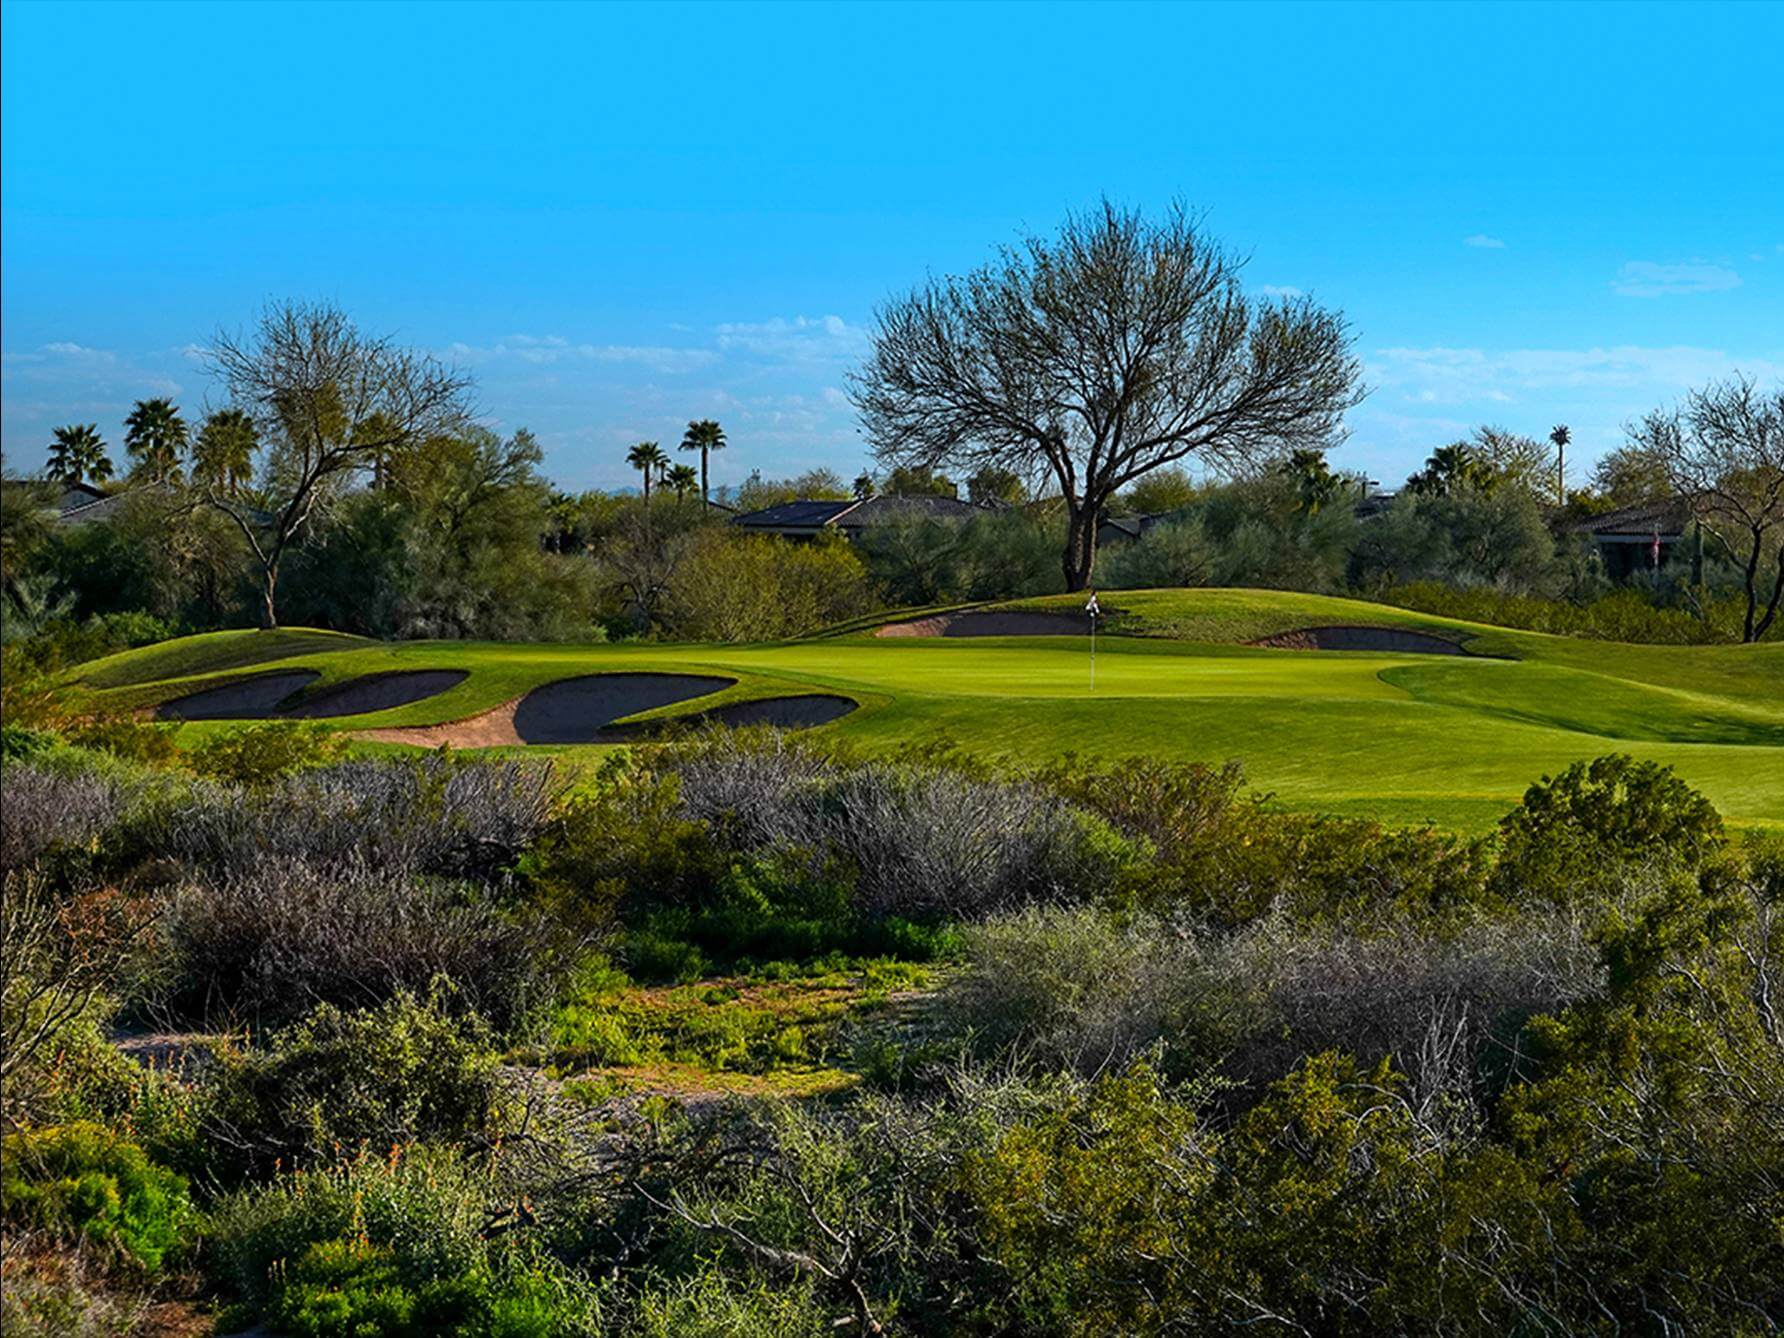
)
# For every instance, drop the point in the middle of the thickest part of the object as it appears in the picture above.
(327, 402)
(1723, 451)
(1095, 356)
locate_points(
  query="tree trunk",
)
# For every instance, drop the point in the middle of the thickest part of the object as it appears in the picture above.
(269, 613)
(1080, 545)
(1771, 608)
(705, 497)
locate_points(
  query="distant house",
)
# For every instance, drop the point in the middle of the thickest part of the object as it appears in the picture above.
(806, 518)
(1635, 539)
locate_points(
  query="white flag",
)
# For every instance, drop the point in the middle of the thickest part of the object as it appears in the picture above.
(1093, 608)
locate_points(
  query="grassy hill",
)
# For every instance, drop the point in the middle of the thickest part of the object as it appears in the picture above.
(1402, 737)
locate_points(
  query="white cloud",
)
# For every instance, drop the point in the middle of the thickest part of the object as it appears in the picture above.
(1644, 278)
(551, 350)
(1457, 375)
(798, 338)
(1279, 290)
(1484, 242)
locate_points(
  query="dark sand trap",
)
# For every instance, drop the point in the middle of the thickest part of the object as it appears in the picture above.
(378, 692)
(246, 699)
(572, 710)
(802, 712)
(993, 623)
(1392, 640)
(805, 711)
(576, 710)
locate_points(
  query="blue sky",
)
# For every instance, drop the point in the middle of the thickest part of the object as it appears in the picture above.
(619, 218)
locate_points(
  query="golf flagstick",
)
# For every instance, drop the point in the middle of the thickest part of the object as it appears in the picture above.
(1093, 610)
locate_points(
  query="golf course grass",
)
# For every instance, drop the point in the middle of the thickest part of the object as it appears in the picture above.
(1405, 737)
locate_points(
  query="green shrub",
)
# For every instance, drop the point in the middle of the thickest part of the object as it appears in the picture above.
(1574, 831)
(84, 1183)
(391, 1247)
(406, 1070)
(260, 754)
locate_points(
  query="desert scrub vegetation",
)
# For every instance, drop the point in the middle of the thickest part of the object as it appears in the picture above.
(737, 1034)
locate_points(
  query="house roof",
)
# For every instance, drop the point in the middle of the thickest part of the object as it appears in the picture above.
(877, 509)
(1670, 516)
(795, 515)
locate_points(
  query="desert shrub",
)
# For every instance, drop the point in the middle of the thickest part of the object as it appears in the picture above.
(395, 1246)
(728, 586)
(1086, 989)
(270, 942)
(1467, 538)
(47, 811)
(1618, 615)
(260, 754)
(713, 1304)
(435, 815)
(621, 839)
(84, 1183)
(60, 957)
(1574, 831)
(917, 840)
(1175, 553)
(1217, 850)
(409, 1070)
(940, 844)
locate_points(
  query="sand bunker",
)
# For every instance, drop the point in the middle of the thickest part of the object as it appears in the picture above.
(991, 623)
(246, 699)
(1393, 640)
(804, 711)
(377, 692)
(572, 710)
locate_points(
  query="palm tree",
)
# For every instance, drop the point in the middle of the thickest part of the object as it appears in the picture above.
(77, 455)
(223, 455)
(644, 457)
(683, 479)
(705, 436)
(155, 436)
(1561, 436)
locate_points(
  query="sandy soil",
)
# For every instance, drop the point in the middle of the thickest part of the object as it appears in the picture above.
(247, 699)
(572, 710)
(1378, 639)
(993, 623)
(378, 692)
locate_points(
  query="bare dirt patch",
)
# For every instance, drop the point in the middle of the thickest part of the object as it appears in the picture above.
(572, 710)
(377, 692)
(255, 698)
(1392, 640)
(995, 622)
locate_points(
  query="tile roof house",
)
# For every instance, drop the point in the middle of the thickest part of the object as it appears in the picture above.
(806, 519)
(1637, 538)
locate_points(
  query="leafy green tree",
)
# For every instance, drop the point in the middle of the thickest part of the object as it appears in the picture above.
(682, 480)
(919, 481)
(155, 435)
(1315, 483)
(991, 484)
(223, 454)
(863, 487)
(1561, 437)
(706, 436)
(1162, 491)
(77, 455)
(647, 457)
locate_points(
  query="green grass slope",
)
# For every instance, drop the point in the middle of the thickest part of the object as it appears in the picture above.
(1401, 737)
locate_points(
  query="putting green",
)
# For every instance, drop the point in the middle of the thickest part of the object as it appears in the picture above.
(1400, 737)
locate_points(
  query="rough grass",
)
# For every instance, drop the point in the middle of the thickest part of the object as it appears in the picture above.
(1402, 738)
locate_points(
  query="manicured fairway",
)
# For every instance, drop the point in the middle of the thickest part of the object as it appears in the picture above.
(1402, 737)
